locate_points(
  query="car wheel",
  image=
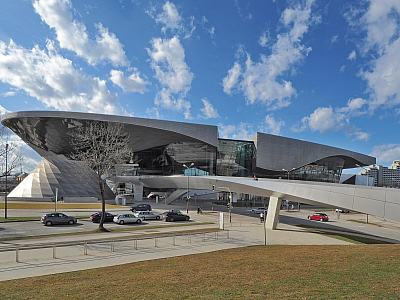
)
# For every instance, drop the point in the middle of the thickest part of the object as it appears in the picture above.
(139, 221)
(171, 219)
(157, 218)
(121, 222)
(48, 223)
(321, 220)
(309, 218)
(71, 222)
(187, 218)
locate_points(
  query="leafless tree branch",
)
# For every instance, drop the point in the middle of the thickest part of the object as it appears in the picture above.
(101, 145)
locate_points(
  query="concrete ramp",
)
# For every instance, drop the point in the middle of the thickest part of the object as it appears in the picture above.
(175, 195)
(381, 202)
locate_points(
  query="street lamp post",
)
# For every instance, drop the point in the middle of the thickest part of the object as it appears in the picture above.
(288, 178)
(288, 172)
(230, 199)
(188, 197)
(5, 194)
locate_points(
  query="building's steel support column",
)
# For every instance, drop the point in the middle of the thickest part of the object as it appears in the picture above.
(273, 212)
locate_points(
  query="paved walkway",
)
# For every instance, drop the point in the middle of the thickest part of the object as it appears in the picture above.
(244, 231)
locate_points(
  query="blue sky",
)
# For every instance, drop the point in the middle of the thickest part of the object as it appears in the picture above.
(322, 71)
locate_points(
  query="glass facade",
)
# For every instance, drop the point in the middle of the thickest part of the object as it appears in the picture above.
(327, 169)
(235, 158)
(169, 159)
(231, 158)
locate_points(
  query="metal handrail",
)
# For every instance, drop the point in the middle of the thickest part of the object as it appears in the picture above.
(102, 240)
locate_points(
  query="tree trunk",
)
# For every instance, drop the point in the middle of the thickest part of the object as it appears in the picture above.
(103, 205)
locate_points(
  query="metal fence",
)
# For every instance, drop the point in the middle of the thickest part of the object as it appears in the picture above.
(103, 246)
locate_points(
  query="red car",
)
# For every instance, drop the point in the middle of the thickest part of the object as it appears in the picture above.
(318, 217)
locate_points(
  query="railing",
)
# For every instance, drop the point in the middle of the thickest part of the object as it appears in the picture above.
(204, 236)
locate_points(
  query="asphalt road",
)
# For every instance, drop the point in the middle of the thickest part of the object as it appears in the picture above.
(378, 227)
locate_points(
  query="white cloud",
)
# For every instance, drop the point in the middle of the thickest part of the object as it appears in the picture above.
(380, 23)
(133, 83)
(272, 126)
(170, 18)
(52, 79)
(386, 153)
(325, 119)
(72, 34)
(210, 30)
(165, 100)
(243, 131)
(342, 68)
(262, 81)
(352, 55)
(153, 113)
(264, 39)
(226, 130)
(208, 111)
(232, 78)
(9, 94)
(334, 39)
(358, 134)
(384, 77)
(167, 59)
(3, 111)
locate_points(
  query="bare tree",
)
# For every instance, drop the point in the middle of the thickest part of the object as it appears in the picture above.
(101, 145)
(9, 150)
(10, 159)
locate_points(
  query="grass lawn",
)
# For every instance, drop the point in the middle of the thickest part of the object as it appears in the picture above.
(258, 272)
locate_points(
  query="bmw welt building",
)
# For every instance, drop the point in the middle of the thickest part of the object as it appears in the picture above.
(164, 151)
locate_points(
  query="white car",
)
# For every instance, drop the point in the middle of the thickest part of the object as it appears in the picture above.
(259, 210)
(127, 218)
(147, 215)
(340, 210)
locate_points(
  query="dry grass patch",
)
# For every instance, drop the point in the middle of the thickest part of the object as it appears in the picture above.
(50, 205)
(259, 272)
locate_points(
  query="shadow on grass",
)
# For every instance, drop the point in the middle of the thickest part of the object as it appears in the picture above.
(354, 237)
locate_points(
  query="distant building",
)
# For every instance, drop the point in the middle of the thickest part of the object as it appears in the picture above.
(384, 176)
(357, 179)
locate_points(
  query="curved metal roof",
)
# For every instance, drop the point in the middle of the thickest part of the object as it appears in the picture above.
(47, 131)
(277, 153)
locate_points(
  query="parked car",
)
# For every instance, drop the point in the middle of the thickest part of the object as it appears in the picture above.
(258, 210)
(147, 215)
(340, 210)
(318, 216)
(171, 210)
(97, 216)
(57, 218)
(126, 218)
(151, 195)
(175, 216)
(141, 207)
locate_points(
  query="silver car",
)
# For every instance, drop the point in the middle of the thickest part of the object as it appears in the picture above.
(147, 215)
(127, 218)
(57, 218)
(259, 210)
